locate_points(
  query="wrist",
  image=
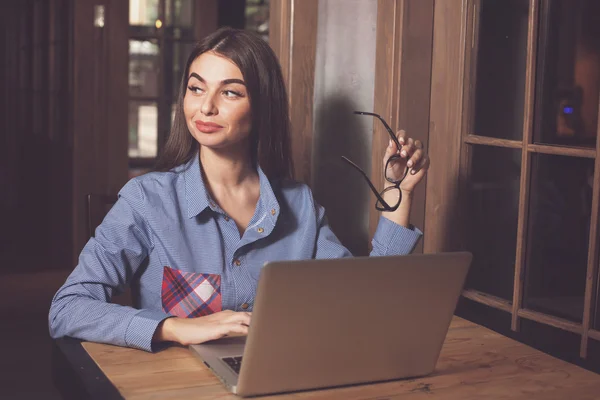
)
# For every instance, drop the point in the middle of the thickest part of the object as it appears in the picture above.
(401, 215)
(407, 194)
(166, 331)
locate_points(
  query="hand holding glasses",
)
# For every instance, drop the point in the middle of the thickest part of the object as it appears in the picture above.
(388, 172)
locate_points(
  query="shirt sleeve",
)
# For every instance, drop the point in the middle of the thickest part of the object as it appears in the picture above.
(81, 307)
(390, 239)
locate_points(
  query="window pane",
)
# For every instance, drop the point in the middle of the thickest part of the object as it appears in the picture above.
(493, 204)
(143, 125)
(143, 12)
(257, 17)
(144, 65)
(559, 217)
(500, 69)
(568, 73)
(179, 13)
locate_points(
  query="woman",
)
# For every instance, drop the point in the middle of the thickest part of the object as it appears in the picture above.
(191, 238)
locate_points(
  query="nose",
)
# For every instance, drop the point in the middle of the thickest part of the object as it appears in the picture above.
(209, 106)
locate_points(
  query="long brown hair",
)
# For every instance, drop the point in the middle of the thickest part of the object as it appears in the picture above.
(270, 133)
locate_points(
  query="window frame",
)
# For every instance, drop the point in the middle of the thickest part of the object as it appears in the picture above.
(453, 78)
(167, 37)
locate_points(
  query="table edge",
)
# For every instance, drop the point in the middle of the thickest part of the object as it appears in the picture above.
(94, 381)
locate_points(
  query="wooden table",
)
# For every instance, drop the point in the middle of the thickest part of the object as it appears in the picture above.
(475, 363)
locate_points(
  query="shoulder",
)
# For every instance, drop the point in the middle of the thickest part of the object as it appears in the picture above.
(153, 186)
(292, 189)
(296, 195)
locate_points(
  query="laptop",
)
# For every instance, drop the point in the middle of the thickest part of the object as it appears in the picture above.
(335, 322)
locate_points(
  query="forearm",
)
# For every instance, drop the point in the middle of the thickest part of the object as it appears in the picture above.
(395, 235)
(186, 331)
(75, 314)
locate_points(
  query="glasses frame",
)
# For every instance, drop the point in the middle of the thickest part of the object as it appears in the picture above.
(381, 204)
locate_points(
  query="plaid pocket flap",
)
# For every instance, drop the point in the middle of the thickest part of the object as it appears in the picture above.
(190, 294)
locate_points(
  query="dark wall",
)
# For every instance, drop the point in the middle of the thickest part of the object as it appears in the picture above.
(34, 162)
(64, 125)
(232, 13)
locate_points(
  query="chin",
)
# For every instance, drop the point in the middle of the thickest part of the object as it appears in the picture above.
(218, 141)
(213, 140)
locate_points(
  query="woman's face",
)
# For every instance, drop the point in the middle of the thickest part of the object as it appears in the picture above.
(216, 103)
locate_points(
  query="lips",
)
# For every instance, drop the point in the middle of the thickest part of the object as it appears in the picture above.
(207, 127)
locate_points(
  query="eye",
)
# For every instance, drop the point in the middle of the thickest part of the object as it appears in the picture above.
(231, 94)
(195, 89)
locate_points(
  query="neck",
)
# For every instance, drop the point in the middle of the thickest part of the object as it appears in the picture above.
(226, 169)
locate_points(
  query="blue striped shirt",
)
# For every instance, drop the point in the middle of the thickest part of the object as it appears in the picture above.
(168, 219)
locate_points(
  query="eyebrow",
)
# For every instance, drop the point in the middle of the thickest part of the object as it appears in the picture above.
(223, 82)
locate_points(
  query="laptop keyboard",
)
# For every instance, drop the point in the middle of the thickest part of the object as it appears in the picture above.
(235, 363)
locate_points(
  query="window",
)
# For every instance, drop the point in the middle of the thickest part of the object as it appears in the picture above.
(532, 83)
(161, 36)
(257, 17)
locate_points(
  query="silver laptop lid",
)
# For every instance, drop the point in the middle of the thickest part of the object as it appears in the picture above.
(321, 323)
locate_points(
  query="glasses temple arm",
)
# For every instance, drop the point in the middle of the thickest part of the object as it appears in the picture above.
(375, 192)
(387, 127)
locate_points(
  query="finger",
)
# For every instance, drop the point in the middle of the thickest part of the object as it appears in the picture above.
(240, 318)
(423, 166)
(408, 148)
(389, 151)
(233, 329)
(229, 316)
(401, 135)
(415, 159)
(418, 144)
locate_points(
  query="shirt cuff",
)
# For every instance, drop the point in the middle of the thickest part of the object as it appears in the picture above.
(393, 239)
(142, 327)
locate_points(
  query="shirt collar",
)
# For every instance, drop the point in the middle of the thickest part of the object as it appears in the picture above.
(196, 195)
(198, 198)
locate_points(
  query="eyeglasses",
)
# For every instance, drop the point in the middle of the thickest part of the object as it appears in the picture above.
(381, 204)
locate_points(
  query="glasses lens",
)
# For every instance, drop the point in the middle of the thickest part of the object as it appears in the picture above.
(395, 169)
(392, 197)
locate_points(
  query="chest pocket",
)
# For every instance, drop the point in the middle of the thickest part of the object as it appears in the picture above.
(190, 294)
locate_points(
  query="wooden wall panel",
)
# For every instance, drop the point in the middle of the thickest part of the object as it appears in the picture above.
(402, 83)
(100, 64)
(293, 37)
(117, 72)
(301, 84)
(280, 33)
(35, 202)
(206, 17)
(388, 67)
(441, 210)
(84, 152)
(9, 139)
(415, 85)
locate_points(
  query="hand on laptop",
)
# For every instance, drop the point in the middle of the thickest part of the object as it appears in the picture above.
(188, 331)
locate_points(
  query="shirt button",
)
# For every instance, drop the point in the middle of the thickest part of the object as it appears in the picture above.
(245, 306)
(237, 262)
(226, 218)
(213, 205)
(273, 212)
(260, 230)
